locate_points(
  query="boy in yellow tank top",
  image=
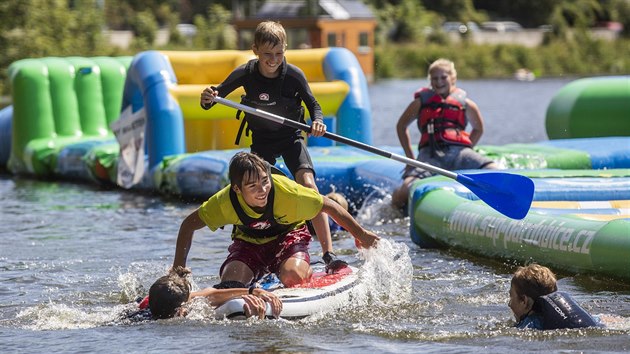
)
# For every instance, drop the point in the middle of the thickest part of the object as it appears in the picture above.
(270, 234)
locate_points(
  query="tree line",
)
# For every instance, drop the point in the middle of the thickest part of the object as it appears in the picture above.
(40, 28)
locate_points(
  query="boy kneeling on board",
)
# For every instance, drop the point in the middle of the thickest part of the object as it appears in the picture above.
(270, 233)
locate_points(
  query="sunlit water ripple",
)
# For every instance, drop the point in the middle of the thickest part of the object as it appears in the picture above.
(73, 257)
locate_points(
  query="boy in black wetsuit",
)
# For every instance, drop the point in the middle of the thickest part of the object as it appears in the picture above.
(537, 303)
(273, 85)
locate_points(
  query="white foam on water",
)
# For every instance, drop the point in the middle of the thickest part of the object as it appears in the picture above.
(384, 279)
(87, 310)
(51, 316)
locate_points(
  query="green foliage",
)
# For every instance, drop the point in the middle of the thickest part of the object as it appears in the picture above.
(456, 10)
(589, 57)
(407, 21)
(407, 37)
(570, 19)
(144, 27)
(529, 13)
(39, 28)
(122, 14)
(215, 31)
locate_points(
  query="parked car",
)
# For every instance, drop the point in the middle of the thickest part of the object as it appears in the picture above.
(501, 26)
(454, 26)
(187, 30)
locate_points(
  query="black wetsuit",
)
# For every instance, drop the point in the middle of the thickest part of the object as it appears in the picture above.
(557, 310)
(283, 96)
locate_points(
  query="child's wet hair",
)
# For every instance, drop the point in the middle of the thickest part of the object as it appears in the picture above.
(270, 32)
(534, 281)
(168, 293)
(246, 164)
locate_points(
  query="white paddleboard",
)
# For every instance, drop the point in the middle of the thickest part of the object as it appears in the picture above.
(323, 292)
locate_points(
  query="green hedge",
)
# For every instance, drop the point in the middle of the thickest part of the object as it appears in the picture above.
(587, 58)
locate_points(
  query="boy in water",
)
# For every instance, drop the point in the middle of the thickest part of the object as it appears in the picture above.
(270, 233)
(169, 294)
(273, 85)
(442, 112)
(537, 303)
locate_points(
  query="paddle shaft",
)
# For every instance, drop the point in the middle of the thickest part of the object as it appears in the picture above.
(342, 139)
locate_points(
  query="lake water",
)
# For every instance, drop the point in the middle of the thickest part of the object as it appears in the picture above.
(72, 257)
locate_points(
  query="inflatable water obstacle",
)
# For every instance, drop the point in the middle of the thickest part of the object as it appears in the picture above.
(63, 109)
(579, 221)
(580, 217)
(590, 107)
(60, 127)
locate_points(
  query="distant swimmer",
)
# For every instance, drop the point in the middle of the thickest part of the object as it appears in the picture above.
(537, 303)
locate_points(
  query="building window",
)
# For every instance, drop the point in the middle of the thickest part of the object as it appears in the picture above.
(364, 44)
(332, 39)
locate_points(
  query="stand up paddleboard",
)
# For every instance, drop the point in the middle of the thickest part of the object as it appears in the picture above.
(322, 293)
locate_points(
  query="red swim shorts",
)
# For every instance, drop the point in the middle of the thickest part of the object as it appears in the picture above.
(262, 259)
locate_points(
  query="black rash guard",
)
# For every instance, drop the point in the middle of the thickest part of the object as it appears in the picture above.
(281, 95)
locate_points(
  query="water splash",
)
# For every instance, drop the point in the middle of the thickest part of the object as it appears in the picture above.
(51, 316)
(377, 210)
(137, 279)
(386, 275)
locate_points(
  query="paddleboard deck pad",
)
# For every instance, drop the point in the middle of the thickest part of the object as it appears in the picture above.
(322, 293)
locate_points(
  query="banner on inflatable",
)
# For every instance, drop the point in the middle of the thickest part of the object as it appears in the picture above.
(129, 131)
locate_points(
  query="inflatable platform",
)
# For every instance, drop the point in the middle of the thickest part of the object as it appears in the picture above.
(60, 123)
(590, 107)
(579, 221)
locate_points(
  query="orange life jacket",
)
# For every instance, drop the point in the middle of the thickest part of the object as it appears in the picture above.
(442, 121)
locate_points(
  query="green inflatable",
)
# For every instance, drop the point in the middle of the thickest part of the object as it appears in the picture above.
(60, 101)
(590, 107)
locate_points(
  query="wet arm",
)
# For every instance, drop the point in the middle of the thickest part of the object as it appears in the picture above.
(231, 83)
(188, 227)
(406, 118)
(476, 121)
(304, 90)
(220, 296)
(345, 220)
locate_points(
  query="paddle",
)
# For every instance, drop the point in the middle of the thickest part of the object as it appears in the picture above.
(507, 193)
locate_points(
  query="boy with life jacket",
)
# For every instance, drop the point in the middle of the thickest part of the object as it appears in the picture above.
(442, 112)
(537, 303)
(269, 214)
(275, 86)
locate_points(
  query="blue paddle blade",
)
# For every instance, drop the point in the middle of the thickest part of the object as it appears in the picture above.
(507, 193)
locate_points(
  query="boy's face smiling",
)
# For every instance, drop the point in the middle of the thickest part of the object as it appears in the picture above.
(255, 190)
(441, 82)
(270, 58)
